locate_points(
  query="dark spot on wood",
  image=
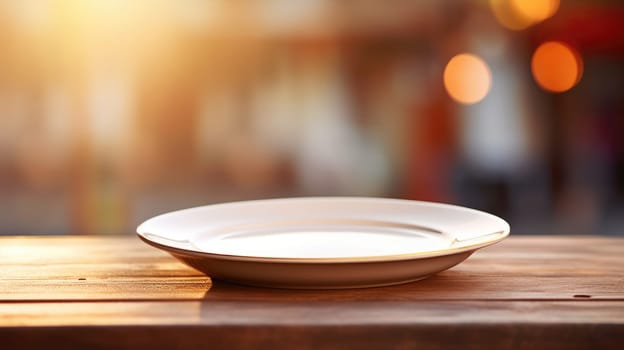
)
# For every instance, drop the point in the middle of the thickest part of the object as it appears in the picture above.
(82, 279)
(582, 296)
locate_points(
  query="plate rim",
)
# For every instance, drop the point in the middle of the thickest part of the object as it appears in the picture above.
(497, 236)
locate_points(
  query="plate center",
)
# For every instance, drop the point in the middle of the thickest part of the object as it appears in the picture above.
(346, 240)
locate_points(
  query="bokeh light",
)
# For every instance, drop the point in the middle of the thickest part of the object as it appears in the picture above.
(535, 10)
(467, 78)
(556, 66)
(520, 14)
(508, 16)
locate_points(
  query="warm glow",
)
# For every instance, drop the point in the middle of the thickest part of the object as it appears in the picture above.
(535, 10)
(556, 67)
(467, 78)
(508, 15)
(520, 14)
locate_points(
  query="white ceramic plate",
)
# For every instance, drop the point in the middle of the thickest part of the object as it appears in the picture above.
(324, 242)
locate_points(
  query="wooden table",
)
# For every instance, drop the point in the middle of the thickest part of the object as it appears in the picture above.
(116, 292)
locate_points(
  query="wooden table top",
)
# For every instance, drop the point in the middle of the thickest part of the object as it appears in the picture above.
(117, 292)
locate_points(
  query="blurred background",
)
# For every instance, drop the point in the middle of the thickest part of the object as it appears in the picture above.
(113, 111)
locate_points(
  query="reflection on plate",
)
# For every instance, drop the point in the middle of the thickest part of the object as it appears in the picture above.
(324, 242)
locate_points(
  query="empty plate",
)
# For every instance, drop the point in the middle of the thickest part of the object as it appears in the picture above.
(324, 242)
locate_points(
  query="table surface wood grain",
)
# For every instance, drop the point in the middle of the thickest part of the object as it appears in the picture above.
(117, 292)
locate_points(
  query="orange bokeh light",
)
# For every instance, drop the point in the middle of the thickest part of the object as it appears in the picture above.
(520, 14)
(556, 66)
(508, 16)
(467, 78)
(535, 10)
